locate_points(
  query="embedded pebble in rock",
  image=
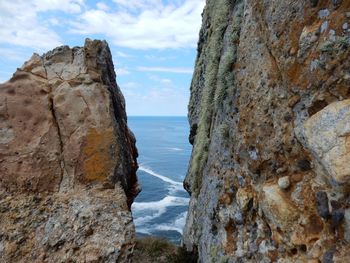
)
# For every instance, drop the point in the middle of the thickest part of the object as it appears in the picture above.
(279, 210)
(323, 13)
(284, 182)
(337, 217)
(324, 26)
(322, 204)
(328, 256)
(332, 35)
(336, 2)
(281, 170)
(238, 218)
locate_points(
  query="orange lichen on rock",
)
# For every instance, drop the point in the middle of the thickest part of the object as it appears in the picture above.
(100, 155)
(230, 244)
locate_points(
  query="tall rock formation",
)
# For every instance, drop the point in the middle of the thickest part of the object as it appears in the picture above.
(270, 124)
(67, 160)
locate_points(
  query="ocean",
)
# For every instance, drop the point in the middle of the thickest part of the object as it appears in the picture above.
(164, 152)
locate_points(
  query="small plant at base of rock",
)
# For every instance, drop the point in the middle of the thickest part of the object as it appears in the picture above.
(159, 250)
(153, 247)
(182, 256)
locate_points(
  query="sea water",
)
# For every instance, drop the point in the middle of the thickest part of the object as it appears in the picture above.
(164, 152)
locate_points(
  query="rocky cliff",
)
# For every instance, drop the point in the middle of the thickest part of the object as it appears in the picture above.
(269, 112)
(67, 160)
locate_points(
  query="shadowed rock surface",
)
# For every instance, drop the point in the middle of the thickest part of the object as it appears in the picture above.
(269, 115)
(67, 160)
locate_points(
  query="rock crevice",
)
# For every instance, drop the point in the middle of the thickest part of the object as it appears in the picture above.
(55, 124)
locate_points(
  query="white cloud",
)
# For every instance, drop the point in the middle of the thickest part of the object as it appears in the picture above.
(139, 24)
(130, 85)
(178, 70)
(164, 81)
(102, 6)
(14, 54)
(161, 101)
(123, 55)
(159, 58)
(122, 71)
(20, 24)
(138, 4)
(144, 24)
(54, 21)
(68, 6)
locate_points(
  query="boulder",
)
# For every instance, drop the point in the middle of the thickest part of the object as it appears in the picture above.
(328, 137)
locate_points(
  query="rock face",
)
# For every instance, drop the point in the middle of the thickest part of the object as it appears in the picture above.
(67, 160)
(269, 115)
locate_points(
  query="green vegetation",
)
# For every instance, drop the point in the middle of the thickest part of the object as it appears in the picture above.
(224, 130)
(157, 250)
(342, 42)
(217, 58)
(326, 46)
(321, 64)
(225, 76)
(339, 44)
(214, 256)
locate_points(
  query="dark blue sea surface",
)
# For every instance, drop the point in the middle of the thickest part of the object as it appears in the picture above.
(164, 152)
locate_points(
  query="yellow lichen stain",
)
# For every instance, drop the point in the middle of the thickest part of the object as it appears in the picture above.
(99, 155)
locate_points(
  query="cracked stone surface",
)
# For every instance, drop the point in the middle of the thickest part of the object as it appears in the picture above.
(67, 160)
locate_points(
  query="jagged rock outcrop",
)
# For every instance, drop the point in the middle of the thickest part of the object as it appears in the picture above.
(67, 160)
(269, 115)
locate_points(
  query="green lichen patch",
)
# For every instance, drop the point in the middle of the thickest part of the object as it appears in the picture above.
(218, 57)
(341, 43)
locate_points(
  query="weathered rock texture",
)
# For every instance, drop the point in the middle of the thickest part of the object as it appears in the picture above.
(67, 160)
(270, 119)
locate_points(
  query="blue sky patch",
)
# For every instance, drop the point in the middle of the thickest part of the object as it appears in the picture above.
(153, 43)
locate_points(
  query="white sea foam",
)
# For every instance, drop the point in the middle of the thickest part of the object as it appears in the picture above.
(157, 208)
(161, 177)
(175, 149)
(144, 212)
(141, 221)
(177, 225)
(142, 230)
(165, 202)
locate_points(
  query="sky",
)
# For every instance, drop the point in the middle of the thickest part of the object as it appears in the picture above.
(153, 43)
